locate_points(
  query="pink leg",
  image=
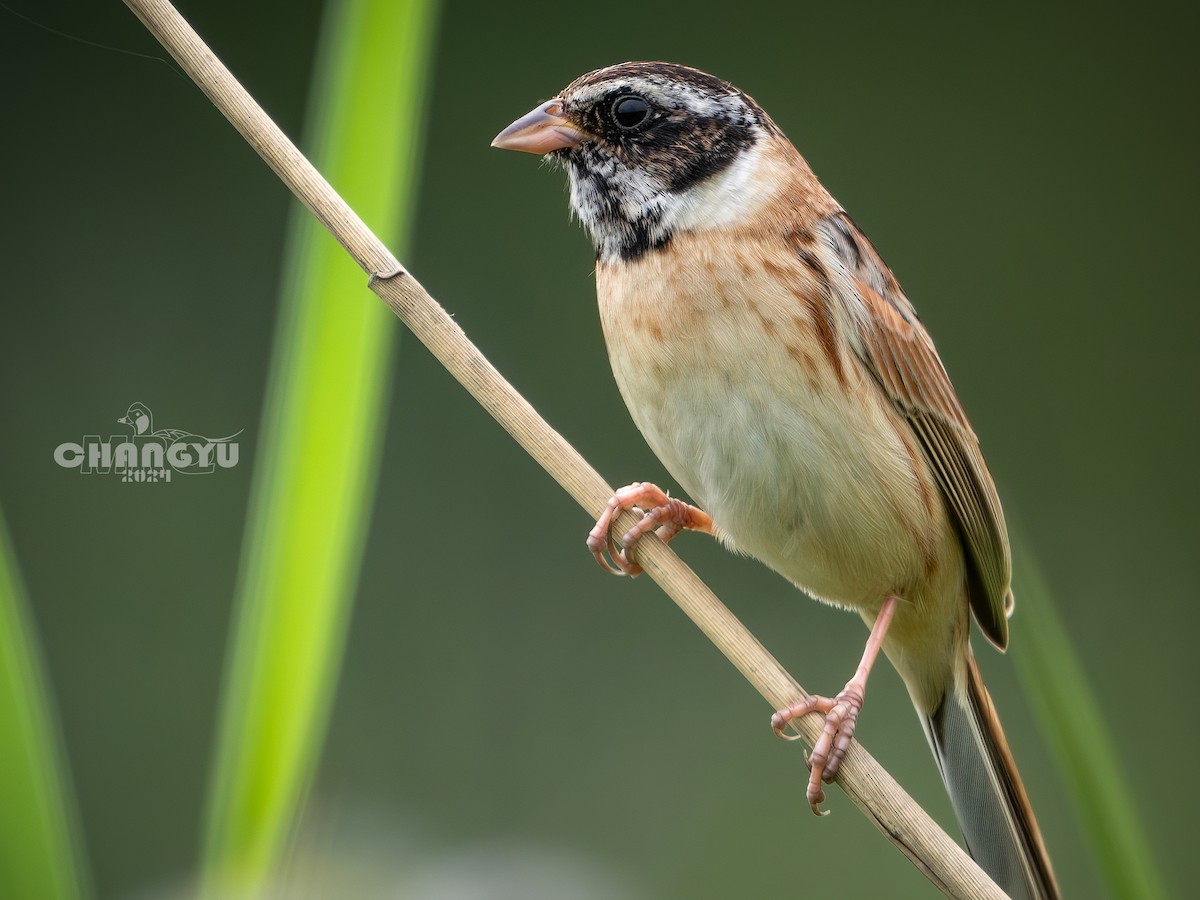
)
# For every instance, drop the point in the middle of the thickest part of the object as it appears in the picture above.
(841, 714)
(663, 513)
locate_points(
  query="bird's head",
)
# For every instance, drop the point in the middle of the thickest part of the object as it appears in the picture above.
(138, 417)
(651, 149)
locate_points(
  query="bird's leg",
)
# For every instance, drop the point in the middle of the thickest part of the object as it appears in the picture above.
(841, 713)
(662, 514)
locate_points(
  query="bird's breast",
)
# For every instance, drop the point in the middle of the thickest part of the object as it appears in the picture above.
(733, 367)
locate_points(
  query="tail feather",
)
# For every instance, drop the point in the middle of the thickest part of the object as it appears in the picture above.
(989, 799)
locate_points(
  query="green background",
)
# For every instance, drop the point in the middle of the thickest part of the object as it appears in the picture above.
(509, 718)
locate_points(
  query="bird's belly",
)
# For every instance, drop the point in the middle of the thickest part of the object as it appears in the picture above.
(812, 477)
(794, 484)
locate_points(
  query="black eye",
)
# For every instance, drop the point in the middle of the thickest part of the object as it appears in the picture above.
(630, 112)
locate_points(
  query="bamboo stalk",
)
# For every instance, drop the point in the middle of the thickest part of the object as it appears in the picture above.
(867, 784)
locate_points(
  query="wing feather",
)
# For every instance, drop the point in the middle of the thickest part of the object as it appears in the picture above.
(899, 353)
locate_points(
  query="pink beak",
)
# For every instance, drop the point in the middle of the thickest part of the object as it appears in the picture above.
(540, 131)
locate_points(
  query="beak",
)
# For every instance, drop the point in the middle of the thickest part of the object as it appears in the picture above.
(124, 420)
(542, 130)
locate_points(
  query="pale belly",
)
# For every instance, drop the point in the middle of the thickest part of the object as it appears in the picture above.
(828, 503)
(812, 475)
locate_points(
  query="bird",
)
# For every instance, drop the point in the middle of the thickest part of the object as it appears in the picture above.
(776, 368)
(141, 420)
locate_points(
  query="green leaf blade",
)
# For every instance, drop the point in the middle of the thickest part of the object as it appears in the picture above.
(322, 430)
(39, 855)
(1071, 718)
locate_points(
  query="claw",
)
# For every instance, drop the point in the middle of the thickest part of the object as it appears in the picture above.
(600, 541)
(661, 514)
(841, 715)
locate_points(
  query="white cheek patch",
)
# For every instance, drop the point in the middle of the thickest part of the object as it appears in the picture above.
(732, 195)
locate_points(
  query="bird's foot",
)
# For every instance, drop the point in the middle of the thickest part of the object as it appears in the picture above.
(841, 717)
(660, 513)
(841, 713)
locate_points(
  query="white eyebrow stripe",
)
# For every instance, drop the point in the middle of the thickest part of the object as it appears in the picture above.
(666, 93)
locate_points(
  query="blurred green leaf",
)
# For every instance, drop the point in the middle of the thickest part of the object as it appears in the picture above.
(37, 837)
(1070, 717)
(322, 429)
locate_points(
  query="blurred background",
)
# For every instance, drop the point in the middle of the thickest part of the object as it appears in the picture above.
(509, 721)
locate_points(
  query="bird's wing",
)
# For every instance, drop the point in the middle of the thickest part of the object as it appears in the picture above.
(177, 434)
(898, 351)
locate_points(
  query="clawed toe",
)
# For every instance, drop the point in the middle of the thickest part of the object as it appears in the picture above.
(841, 717)
(604, 549)
(660, 513)
(841, 713)
(600, 540)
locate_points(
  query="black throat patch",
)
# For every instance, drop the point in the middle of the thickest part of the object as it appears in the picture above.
(631, 177)
(624, 190)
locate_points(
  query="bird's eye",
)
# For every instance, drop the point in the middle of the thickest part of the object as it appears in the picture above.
(630, 112)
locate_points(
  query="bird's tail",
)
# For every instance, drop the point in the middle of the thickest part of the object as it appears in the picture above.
(989, 800)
